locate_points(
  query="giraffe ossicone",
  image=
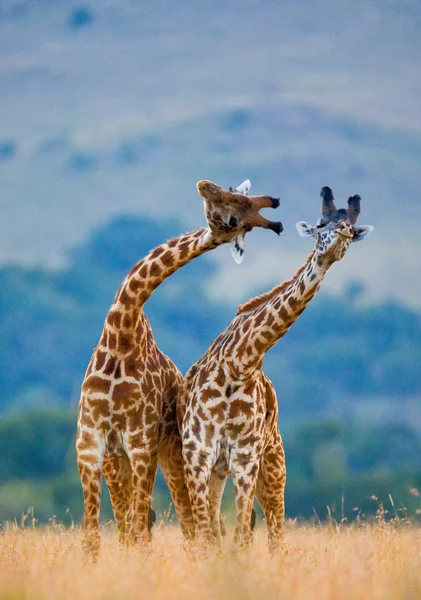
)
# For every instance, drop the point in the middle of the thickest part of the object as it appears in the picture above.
(227, 407)
(127, 411)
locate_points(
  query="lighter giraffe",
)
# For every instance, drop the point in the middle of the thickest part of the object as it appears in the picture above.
(127, 411)
(227, 408)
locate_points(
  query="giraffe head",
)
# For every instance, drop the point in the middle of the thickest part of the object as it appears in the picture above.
(231, 214)
(336, 229)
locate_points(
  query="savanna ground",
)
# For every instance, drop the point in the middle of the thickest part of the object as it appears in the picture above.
(377, 561)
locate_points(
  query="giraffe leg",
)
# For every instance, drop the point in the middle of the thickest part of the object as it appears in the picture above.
(270, 490)
(91, 485)
(217, 483)
(244, 474)
(118, 476)
(197, 471)
(170, 460)
(143, 462)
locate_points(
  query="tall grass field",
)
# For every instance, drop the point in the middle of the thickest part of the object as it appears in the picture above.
(371, 561)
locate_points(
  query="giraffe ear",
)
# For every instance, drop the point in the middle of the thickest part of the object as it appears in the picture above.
(304, 229)
(237, 248)
(362, 232)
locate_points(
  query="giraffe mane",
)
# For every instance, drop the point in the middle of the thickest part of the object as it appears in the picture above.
(263, 298)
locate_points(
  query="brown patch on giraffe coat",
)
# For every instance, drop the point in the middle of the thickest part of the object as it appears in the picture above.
(124, 394)
(135, 419)
(239, 408)
(209, 394)
(218, 412)
(155, 270)
(110, 366)
(85, 441)
(209, 433)
(157, 252)
(196, 428)
(100, 359)
(184, 249)
(96, 384)
(167, 259)
(100, 409)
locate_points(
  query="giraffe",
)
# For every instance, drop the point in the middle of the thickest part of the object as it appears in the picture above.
(127, 411)
(227, 407)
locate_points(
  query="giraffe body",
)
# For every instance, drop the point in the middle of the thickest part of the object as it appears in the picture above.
(227, 407)
(127, 411)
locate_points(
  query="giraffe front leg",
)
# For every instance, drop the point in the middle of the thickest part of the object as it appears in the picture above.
(270, 490)
(119, 479)
(245, 468)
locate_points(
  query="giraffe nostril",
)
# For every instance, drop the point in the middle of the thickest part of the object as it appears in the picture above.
(233, 222)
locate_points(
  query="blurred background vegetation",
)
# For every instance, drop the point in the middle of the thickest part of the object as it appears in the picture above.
(346, 374)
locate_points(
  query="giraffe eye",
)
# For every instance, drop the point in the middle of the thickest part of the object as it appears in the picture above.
(233, 222)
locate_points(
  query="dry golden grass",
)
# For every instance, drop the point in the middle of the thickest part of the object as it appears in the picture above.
(368, 562)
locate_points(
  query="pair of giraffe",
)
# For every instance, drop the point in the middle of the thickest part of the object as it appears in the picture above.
(136, 410)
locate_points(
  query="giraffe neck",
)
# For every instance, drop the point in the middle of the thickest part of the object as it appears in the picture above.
(264, 320)
(151, 271)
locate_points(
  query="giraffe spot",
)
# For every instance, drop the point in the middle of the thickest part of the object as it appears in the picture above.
(135, 284)
(124, 394)
(172, 243)
(203, 376)
(110, 366)
(125, 342)
(100, 359)
(239, 408)
(283, 313)
(151, 415)
(155, 270)
(196, 427)
(253, 469)
(248, 441)
(96, 384)
(125, 299)
(112, 341)
(260, 345)
(243, 458)
(220, 378)
(85, 419)
(131, 368)
(134, 419)
(184, 249)
(167, 259)
(209, 393)
(86, 440)
(157, 252)
(201, 489)
(191, 445)
(228, 391)
(201, 413)
(218, 412)
(100, 409)
(259, 318)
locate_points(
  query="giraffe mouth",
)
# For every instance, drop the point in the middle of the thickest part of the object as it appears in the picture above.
(344, 234)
